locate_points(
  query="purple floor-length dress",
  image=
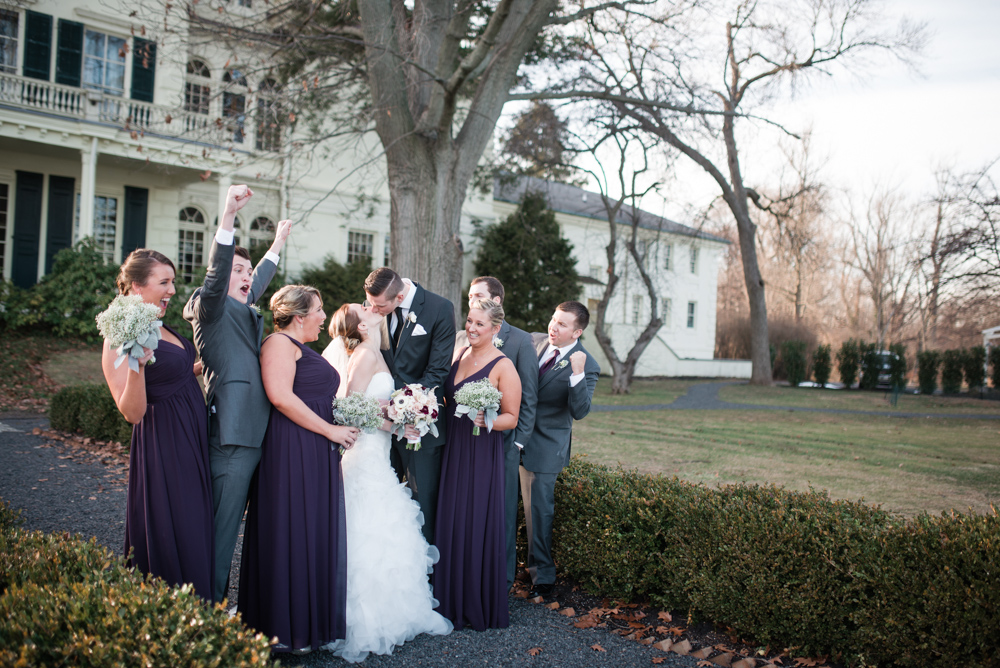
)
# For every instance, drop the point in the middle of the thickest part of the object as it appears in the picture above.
(470, 580)
(293, 578)
(168, 518)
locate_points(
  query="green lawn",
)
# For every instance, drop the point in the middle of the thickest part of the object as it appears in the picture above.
(856, 400)
(905, 464)
(644, 392)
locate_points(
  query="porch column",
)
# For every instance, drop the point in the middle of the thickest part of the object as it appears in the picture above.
(88, 180)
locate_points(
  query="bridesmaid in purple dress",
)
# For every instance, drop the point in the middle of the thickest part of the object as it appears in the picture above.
(293, 578)
(470, 580)
(168, 515)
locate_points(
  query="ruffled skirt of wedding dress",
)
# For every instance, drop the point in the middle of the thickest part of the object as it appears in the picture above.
(389, 599)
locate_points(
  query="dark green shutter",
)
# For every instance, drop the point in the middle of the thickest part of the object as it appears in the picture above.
(134, 219)
(27, 229)
(143, 69)
(62, 202)
(37, 45)
(69, 53)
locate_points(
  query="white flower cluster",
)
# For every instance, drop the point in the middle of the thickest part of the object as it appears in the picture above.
(478, 396)
(358, 410)
(414, 405)
(128, 325)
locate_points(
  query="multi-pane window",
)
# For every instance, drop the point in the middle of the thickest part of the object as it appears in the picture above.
(104, 62)
(667, 309)
(234, 103)
(694, 259)
(268, 117)
(196, 89)
(8, 41)
(105, 226)
(262, 231)
(692, 311)
(668, 256)
(636, 308)
(190, 244)
(360, 247)
(4, 202)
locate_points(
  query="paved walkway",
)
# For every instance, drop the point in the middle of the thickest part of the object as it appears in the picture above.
(705, 397)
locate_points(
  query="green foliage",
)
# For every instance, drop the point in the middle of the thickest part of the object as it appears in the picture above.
(793, 357)
(871, 365)
(952, 365)
(995, 366)
(974, 367)
(928, 362)
(68, 602)
(897, 365)
(92, 410)
(848, 361)
(339, 284)
(528, 254)
(790, 569)
(822, 365)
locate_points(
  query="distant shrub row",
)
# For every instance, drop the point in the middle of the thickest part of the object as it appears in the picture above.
(955, 365)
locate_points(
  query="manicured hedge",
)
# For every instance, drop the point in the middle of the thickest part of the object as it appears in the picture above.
(92, 410)
(68, 602)
(789, 569)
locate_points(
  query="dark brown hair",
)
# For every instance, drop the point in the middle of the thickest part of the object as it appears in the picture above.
(243, 253)
(291, 301)
(494, 286)
(579, 312)
(138, 266)
(383, 282)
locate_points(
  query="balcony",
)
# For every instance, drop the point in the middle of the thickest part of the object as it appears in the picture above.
(137, 118)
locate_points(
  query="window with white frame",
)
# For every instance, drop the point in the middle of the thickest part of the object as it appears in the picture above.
(694, 259)
(261, 232)
(268, 116)
(692, 312)
(234, 103)
(190, 244)
(360, 247)
(8, 41)
(4, 204)
(104, 62)
(197, 88)
(636, 308)
(667, 306)
(668, 256)
(105, 226)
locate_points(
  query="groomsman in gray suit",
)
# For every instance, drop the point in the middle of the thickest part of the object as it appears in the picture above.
(517, 345)
(422, 339)
(227, 333)
(567, 376)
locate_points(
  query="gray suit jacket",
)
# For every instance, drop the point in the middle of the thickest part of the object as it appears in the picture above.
(548, 448)
(227, 335)
(519, 348)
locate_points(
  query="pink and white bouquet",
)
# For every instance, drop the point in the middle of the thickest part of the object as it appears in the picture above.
(414, 405)
(478, 396)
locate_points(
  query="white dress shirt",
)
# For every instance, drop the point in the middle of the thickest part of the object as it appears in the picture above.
(405, 306)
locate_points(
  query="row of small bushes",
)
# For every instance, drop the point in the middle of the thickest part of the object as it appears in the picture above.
(955, 365)
(89, 409)
(69, 602)
(789, 569)
(853, 357)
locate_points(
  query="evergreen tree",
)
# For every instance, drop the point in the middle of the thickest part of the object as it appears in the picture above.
(528, 254)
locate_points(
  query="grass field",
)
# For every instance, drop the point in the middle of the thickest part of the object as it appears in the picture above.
(75, 366)
(856, 400)
(644, 392)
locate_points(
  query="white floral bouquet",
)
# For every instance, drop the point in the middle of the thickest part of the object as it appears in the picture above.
(128, 325)
(415, 405)
(475, 397)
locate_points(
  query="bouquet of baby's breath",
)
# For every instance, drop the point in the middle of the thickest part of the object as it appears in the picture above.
(129, 325)
(415, 405)
(475, 397)
(358, 410)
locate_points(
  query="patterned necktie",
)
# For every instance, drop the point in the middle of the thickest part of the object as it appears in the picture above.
(549, 363)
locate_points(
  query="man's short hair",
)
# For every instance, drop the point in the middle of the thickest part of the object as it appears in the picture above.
(383, 282)
(243, 253)
(494, 286)
(579, 311)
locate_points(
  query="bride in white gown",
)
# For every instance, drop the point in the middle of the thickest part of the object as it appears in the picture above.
(389, 599)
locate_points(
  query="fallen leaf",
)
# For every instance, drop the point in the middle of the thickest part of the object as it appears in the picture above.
(665, 616)
(535, 651)
(662, 630)
(569, 612)
(587, 622)
(597, 648)
(659, 659)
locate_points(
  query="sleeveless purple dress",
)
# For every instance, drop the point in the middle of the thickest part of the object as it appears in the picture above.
(470, 580)
(293, 577)
(169, 522)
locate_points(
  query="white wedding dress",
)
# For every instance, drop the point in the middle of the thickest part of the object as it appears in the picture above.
(389, 600)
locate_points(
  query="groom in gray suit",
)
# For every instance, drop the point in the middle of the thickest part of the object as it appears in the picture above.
(227, 332)
(567, 376)
(517, 345)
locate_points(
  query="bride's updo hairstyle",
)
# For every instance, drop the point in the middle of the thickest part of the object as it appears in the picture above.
(138, 266)
(493, 310)
(344, 324)
(291, 301)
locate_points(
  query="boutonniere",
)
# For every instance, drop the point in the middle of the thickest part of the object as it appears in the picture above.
(257, 309)
(411, 317)
(562, 364)
(498, 342)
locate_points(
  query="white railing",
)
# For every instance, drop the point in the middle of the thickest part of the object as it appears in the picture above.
(132, 116)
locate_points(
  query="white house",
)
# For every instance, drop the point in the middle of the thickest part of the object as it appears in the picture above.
(133, 138)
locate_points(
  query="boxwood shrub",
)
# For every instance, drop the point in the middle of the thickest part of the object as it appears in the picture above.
(92, 410)
(790, 569)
